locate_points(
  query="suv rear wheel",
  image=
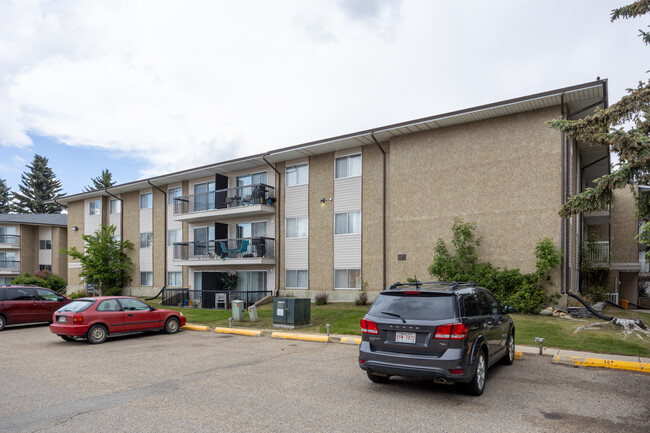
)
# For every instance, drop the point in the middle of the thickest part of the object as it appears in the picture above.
(477, 385)
(376, 378)
(3, 322)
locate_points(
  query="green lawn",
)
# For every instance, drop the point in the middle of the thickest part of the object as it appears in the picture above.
(344, 319)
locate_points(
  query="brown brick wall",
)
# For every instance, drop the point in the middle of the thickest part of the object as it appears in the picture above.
(321, 223)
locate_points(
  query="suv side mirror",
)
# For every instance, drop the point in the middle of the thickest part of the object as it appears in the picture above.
(508, 309)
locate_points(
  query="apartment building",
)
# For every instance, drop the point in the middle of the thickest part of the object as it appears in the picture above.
(363, 209)
(31, 242)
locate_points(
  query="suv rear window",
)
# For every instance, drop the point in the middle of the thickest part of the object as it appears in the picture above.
(78, 305)
(421, 307)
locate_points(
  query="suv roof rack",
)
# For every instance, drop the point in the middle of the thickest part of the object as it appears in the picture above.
(450, 285)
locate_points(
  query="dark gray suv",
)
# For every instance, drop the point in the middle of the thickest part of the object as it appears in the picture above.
(448, 331)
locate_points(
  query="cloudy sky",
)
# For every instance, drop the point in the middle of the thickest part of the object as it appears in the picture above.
(149, 87)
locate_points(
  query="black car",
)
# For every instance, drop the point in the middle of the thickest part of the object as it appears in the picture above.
(447, 331)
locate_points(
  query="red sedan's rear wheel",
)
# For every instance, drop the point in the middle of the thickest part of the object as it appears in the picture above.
(97, 334)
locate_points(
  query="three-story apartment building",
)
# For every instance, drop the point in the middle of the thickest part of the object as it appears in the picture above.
(363, 209)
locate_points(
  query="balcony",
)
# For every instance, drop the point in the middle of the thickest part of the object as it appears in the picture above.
(228, 252)
(9, 241)
(250, 200)
(9, 266)
(598, 251)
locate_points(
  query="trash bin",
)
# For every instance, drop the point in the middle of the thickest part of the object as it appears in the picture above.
(624, 303)
(252, 313)
(238, 310)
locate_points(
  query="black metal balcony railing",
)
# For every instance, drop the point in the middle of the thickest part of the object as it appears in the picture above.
(10, 264)
(225, 198)
(218, 299)
(225, 248)
(10, 239)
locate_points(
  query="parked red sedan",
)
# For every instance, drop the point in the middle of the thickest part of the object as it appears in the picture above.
(97, 318)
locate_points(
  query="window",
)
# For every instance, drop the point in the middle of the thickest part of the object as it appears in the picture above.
(174, 193)
(203, 200)
(8, 260)
(175, 235)
(45, 244)
(251, 281)
(20, 294)
(8, 235)
(94, 207)
(146, 278)
(115, 206)
(298, 279)
(347, 278)
(297, 175)
(174, 279)
(251, 230)
(47, 295)
(146, 240)
(134, 304)
(297, 227)
(348, 166)
(5, 281)
(146, 201)
(347, 223)
(109, 305)
(45, 268)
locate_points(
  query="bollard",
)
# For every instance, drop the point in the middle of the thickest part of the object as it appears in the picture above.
(328, 329)
(230, 322)
(541, 343)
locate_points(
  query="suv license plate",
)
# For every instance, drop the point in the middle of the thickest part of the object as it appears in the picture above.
(61, 319)
(405, 337)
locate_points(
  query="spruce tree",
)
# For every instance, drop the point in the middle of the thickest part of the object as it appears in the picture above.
(624, 128)
(39, 184)
(5, 197)
(100, 182)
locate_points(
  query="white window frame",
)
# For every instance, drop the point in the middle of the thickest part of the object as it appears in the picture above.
(148, 278)
(149, 203)
(287, 279)
(295, 221)
(176, 281)
(347, 167)
(148, 240)
(347, 223)
(178, 236)
(94, 207)
(173, 193)
(347, 271)
(115, 206)
(297, 168)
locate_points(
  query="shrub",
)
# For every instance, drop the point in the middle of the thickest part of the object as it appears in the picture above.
(77, 295)
(595, 293)
(41, 279)
(321, 298)
(362, 298)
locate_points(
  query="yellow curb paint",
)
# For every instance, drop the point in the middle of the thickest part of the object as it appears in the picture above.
(519, 355)
(606, 363)
(351, 340)
(196, 327)
(305, 337)
(248, 332)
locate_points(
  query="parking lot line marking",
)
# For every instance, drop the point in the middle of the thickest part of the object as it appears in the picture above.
(605, 363)
(305, 337)
(351, 340)
(238, 331)
(196, 327)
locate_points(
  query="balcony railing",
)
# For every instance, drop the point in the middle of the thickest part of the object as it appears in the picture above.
(225, 198)
(208, 299)
(10, 239)
(598, 251)
(9, 265)
(243, 248)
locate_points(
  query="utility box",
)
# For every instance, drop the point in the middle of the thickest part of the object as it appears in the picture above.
(238, 310)
(291, 312)
(252, 313)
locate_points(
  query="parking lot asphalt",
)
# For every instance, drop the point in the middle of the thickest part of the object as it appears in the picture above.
(207, 381)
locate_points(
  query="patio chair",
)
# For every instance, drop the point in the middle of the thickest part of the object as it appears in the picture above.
(243, 249)
(225, 252)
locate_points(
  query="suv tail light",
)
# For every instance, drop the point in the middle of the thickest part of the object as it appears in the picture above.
(78, 319)
(456, 331)
(368, 327)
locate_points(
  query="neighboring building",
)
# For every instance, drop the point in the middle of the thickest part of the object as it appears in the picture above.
(366, 207)
(31, 242)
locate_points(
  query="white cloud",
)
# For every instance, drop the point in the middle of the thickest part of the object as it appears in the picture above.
(183, 84)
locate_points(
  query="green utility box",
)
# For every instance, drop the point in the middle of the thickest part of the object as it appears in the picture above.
(291, 312)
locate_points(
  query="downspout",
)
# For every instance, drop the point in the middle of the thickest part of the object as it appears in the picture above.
(164, 233)
(563, 225)
(278, 238)
(383, 153)
(121, 219)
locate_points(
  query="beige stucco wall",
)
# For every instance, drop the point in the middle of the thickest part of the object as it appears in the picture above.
(624, 227)
(131, 232)
(502, 174)
(75, 219)
(159, 238)
(186, 228)
(321, 223)
(279, 223)
(60, 260)
(28, 249)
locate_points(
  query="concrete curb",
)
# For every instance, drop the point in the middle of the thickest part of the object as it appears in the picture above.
(304, 337)
(238, 331)
(604, 363)
(196, 327)
(350, 340)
